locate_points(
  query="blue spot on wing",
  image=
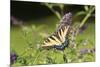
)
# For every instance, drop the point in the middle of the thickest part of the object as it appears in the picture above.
(62, 46)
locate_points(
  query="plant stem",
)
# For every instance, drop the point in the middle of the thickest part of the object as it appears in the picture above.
(55, 12)
(85, 19)
(37, 56)
(64, 57)
(61, 9)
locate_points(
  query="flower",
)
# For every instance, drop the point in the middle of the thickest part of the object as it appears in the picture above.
(83, 28)
(84, 51)
(13, 58)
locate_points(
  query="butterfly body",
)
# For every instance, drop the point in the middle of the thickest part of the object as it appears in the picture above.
(59, 39)
(62, 46)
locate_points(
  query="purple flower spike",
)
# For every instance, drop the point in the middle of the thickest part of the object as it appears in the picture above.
(84, 51)
(13, 57)
(83, 28)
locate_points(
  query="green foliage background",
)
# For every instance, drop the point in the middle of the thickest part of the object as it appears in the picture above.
(26, 39)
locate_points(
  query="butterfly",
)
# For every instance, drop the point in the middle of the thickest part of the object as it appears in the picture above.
(59, 39)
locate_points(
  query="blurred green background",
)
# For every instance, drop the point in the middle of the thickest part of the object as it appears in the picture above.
(32, 22)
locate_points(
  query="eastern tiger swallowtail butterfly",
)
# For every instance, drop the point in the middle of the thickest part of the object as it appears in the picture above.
(59, 39)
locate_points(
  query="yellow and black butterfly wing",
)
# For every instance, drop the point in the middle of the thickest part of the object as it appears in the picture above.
(63, 38)
(62, 33)
(57, 38)
(51, 41)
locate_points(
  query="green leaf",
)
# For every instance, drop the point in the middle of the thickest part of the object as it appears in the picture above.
(16, 65)
(61, 6)
(86, 8)
(49, 5)
(80, 13)
(58, 14)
